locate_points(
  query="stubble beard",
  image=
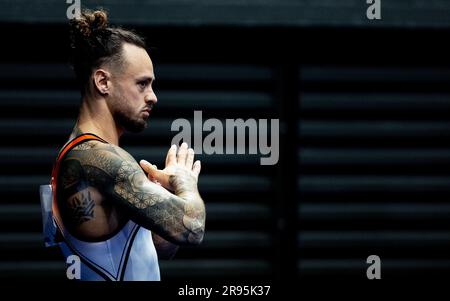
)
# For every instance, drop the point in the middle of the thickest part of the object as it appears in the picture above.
(133, 125)
(124, 118)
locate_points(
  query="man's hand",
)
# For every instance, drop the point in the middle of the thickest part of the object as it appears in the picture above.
(181, 176)
(178, 165)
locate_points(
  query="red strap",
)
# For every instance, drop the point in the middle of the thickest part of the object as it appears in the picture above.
(56, 166)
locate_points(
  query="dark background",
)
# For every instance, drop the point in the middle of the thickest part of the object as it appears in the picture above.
(364, 137)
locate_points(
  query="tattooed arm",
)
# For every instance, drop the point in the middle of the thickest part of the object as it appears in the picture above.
(178, 217)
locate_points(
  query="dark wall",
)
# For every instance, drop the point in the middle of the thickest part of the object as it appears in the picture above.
(365, 154)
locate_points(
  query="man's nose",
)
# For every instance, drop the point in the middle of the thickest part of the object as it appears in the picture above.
(151, 97)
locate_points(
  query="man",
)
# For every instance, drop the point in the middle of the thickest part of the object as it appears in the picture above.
(117, 220)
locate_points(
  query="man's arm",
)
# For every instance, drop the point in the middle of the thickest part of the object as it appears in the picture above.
(178, 217)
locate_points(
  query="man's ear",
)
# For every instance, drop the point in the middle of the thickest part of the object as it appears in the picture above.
(102, 81)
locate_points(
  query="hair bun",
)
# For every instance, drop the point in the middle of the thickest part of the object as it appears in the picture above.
(90, 22)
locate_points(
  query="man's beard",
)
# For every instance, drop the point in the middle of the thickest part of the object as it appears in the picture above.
(130, 124)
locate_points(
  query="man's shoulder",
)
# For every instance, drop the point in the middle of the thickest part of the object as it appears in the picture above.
(97, 164)
(90, 145)
(100, 154)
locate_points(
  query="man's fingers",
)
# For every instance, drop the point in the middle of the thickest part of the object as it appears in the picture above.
(190, 158)
(147, 166)
(171, 157)
(196, 168)
(150, 169)
(150, 176)
(182, 153)
(155, 175)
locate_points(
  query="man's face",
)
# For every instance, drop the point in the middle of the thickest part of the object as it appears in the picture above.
(132, 96)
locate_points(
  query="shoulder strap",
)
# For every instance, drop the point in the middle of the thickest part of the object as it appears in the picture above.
(75, 141)
(67, 147)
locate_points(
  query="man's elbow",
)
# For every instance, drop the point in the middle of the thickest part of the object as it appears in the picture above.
(191, 238)
(195, 231)
(197, 238)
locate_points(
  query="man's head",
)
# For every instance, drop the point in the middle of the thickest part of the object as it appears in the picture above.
(112, 64)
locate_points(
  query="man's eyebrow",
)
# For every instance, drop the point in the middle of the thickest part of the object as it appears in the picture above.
(146, 78)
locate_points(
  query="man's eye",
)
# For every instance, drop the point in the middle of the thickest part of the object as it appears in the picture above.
(142, 85)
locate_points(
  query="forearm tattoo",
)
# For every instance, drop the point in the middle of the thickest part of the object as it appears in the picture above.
(194, 217)
(128, 183)
(117, 176)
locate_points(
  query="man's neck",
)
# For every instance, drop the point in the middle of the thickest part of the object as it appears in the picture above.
(96, 118)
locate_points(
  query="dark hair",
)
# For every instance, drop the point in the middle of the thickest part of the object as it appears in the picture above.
(94, 43)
